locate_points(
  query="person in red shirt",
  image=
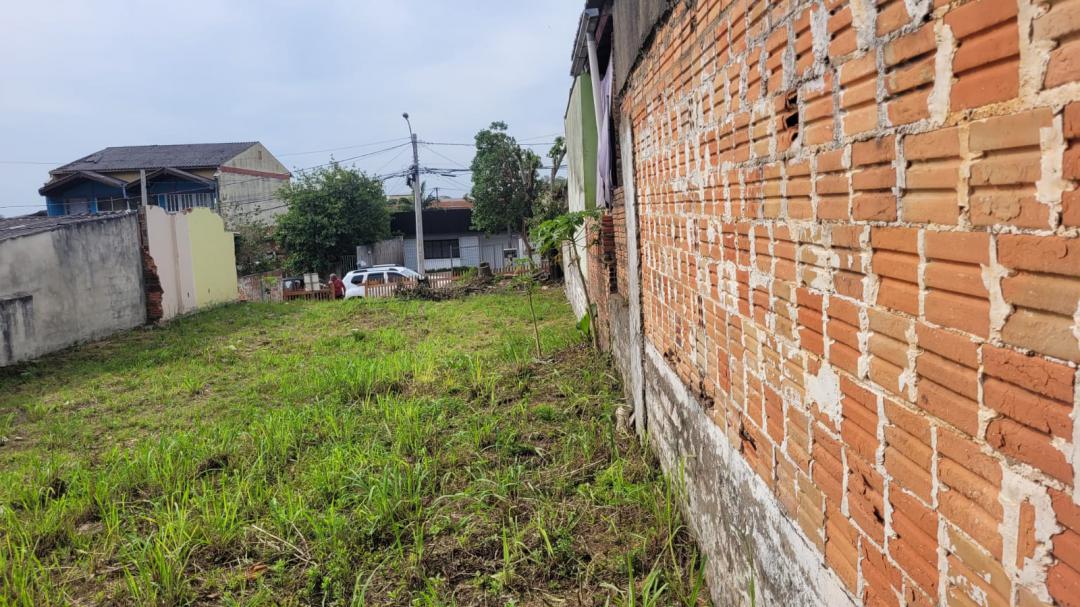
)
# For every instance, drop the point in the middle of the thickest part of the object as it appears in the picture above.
(338, 286)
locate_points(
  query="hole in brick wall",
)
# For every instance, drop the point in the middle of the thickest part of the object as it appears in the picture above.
(791, 104)
(607, 250)
(746, 438)
(707, 402)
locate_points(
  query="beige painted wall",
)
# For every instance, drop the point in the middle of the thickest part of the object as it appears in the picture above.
(213, 258)
(171, 252)
(195, 259)
(247, 198)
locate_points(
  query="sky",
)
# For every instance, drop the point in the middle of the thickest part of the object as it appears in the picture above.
(299, 76)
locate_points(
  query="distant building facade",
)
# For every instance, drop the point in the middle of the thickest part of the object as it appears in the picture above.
(239, 181)
(450, 241)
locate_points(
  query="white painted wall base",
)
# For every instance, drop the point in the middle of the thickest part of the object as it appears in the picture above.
(733, 513)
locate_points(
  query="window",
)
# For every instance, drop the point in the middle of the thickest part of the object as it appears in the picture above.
(74, 206)
(116, 204)
(174, 203)
(441, 249)
(396, 277)
(375, 279)
(358, 279)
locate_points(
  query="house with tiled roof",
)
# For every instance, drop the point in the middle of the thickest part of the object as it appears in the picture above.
(238, 180)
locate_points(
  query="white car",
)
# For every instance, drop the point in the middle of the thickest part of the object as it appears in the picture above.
(358, 281)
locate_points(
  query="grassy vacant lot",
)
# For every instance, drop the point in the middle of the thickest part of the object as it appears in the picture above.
(357, 453)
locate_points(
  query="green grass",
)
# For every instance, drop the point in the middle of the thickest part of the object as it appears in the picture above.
(357, 453)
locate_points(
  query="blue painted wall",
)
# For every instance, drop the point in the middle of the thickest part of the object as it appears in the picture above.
(92, 191)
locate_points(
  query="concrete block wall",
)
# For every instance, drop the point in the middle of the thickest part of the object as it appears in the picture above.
(859, 241)
(71, 284)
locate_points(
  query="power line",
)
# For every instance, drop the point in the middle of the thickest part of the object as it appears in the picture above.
(543, 136)
(389, 162)
(472, 145)
(357, 157)
(348, 147)
(441, 155)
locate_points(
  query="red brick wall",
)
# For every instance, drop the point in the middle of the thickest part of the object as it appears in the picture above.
(859, 243)
(618, 217)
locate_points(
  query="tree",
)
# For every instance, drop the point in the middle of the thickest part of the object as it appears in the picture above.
(552, 201)
(331, 210)
(505, 183)
(256, 248)
(557, 154)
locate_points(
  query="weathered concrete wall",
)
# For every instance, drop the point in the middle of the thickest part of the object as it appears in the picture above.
(859, 246)
(195, 258)
(77, 283)
(749, 538)
(633, 23)
(248, 185)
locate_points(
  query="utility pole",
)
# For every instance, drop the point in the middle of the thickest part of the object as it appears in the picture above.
(142, 184)
(417, 203)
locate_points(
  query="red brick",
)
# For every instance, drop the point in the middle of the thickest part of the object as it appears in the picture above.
(1028, 446)
(1011, 131)
(948, 406)
(965, 313)
(950, 346)
(1064, 585)
(915, 546)
(911, 45)
(1072, 120)
(841, 546)
(960, 278)
(883, 580)
(984, 579)
(865, 501)
(934, 144)
(1064, 65)
(1025, 534)
(979, 15)
(874, 151)
(1067, 511)
(970, 247)
(1032, 373)
(1050, 254)
(1049, 334)
(891, 18)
